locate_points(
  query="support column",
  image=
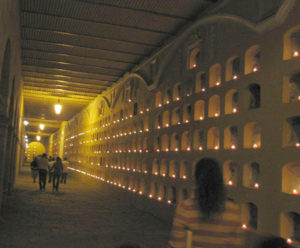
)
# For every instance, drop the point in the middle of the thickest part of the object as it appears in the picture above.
(62, 139)
(3, 142)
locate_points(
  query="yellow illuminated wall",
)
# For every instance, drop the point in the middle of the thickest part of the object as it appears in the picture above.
(34, 149)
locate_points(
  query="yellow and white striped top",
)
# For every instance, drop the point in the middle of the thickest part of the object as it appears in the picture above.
(221, 231)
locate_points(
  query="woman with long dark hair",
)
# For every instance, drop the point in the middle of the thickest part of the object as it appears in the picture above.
(212, 220)
(58, 170)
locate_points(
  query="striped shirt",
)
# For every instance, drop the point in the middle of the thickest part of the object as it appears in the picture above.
(221, 231)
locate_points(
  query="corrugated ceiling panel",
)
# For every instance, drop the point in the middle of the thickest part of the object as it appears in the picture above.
(88, 28)
(78, 51)
(106, 14)
(74, 59)
(85, 41)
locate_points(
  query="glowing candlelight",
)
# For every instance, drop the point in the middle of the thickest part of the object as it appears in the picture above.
(255, 69)
(159, 105)
(167, 102)
(194, 65)
(256, 185)
(295, 191)
(188, 149)
(244, 226)
(150, 196)
(216, 114)
(216, 147)
(200, 148)
(234, 110)
(234, 77)
(298, 144)
(230, 182)
(233, 147)
(218, 83)
(169, 202)
(203, 89)
(184, 177)
(255, 146)
(187, 121)
(167, 125)
(295, 54)
(159, 198)
(201, 118)
(140, 192)
(289, 241)
(177, 98)
(176, 149)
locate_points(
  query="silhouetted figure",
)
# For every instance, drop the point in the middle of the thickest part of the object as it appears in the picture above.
(207, 220)
(34, 169)
(274, 242)
(43, 167)
(57, 171)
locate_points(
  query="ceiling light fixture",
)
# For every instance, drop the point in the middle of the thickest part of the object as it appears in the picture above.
(42, 126)
(57, 108)
(26, 123)
(38, 138)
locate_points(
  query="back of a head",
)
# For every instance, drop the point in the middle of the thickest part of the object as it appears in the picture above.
(210, 189)
(274, 242)
(44, 155)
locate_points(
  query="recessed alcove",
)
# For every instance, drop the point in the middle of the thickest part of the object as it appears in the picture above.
(174, 169)
(168, 96)
(252, 135)
(213, 138)
(184, 194)
(184, 171)
(253, 96)
(199, 112)
(230, 173)
(174, 146)
(252, 59)
(185, 141)
(233, 68)
(251, 174)
(145, 143)
(157, 143)
(144, 166)
(231, 138)
(177, 91)
(194, 57)
(201, 82)
(164, 168)
(187, 113)
(163, 193)
(291, 132)
(176, 116)
(155, 167)
(290, 227)
(153, 190)
(138, 165)
(172, 195)
(215, 75)
(214, 106)
(158, 99)
(132, 164)
(146, 123)
(291, 88)
(165, 143)
(249, 216)
(291, 43)
(166, 119)
(158, 122)
(291, 178)
(199, 140)
(231, 101)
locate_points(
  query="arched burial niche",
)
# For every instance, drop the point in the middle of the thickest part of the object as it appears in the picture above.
(155, 167)
(186, 141)
(174, 169)
(213, 138)
(251, 175)
(252, 135)
(249, 216)
(291, 88)
(163, 193)
(166, 119)
(158, 99)
(165, 143)
(291, 43)
(176, 116)
(230, 173)
(199, 140)
(201, 82)
(233, 70)
(215, 75)
(164, 168)
(252, 59)
(184, 171)
(291, 132)
(199, 113)
(291, 178)
(231, 137)
(214, 106)
(175, 142)
(231, 101)
(194, 56)
(177, 91)
(158, 122)
(254, 96)
(157, 144)
(290, 227)
(172, 195)
(4, 82)
(187, 113)
(168, 96)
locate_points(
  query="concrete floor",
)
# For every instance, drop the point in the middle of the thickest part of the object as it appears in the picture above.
(85, 213)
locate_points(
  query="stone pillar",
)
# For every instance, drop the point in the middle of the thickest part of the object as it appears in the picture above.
(3, 142)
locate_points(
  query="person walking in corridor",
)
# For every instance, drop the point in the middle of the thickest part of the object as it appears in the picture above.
(207, 220)
(43, 166)
(34, 169)
(57, 172)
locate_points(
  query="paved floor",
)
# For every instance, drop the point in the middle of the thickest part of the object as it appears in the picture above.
(85, 213)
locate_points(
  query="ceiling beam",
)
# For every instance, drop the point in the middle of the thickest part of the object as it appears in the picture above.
(79, 19)
(48, 82)
(83, 47)
(62, 91)
(37, 133)
(39, 120)
(61, 61)
(36, 50)
(56, 71)
(46, 125)
(44, 77)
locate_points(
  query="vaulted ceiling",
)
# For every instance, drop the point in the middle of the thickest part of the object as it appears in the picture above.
(72, 50)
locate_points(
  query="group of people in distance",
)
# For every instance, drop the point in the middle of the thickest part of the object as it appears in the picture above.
(57, 169)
